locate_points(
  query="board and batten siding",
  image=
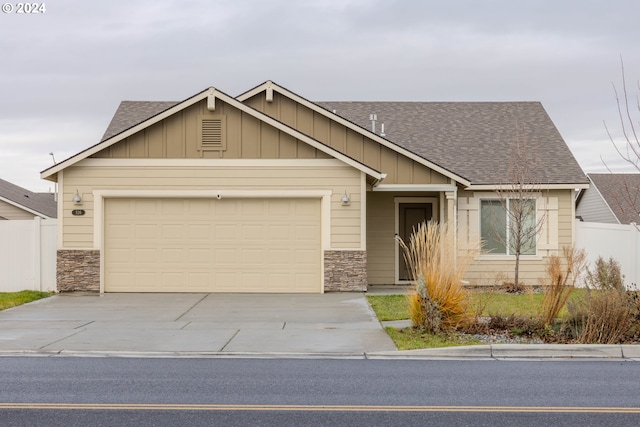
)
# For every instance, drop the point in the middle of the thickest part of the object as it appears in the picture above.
(493, 269)
(177, 137)
(399, 169)
(88, 175)
(381, 218)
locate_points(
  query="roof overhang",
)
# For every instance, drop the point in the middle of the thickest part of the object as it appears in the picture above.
(415, 187)
(535, 187)
(210, 94)
(269, 86)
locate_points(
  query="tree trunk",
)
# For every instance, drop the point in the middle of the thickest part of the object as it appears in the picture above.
(517, 270)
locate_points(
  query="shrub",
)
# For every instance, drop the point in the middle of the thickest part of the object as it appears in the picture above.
(607, 312)
(610, 314)
(559, 282)
(607, 275)
(438, 301)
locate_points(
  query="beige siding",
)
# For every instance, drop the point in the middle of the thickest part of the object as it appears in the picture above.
(381, 229)
(345, 220)
(399, 169)
(380, 238)
(12, 212)
(556, 233)
(176, 137)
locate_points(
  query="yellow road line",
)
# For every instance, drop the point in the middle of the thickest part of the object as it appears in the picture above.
(310, 408)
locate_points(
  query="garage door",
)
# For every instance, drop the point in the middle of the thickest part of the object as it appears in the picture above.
(210, 245)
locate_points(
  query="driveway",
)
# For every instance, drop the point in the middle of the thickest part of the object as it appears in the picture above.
(194, 323)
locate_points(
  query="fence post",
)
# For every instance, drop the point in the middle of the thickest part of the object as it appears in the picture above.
(37, 252)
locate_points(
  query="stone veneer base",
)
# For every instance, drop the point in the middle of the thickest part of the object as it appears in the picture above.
(345, 271)
(78, 270)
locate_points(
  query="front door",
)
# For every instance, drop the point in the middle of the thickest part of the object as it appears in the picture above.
(409, 216)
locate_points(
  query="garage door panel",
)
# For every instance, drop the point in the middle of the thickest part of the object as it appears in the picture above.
(210, 245)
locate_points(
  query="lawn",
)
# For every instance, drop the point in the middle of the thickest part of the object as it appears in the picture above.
(394, 307)
(12, 299)
(482, 304)
(412, 339)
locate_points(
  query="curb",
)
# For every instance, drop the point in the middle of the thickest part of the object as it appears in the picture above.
(554, 352)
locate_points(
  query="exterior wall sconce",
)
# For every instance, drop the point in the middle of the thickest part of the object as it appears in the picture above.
(346, 200)
(76, 198)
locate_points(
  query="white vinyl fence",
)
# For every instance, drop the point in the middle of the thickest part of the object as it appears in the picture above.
(28, 255)
(618, 241)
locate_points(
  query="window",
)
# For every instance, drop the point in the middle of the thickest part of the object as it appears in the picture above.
(502, 222)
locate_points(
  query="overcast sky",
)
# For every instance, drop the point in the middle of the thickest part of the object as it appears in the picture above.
(63, 72)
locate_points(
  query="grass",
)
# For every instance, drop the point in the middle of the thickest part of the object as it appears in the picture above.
(411, 339)
(389, 307)
(395, 307)
(12, 299)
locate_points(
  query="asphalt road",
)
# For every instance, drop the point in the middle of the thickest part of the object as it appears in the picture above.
(165, 392)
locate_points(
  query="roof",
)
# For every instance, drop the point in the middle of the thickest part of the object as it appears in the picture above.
(621, 191)
(130, 113)
(472, 139)
(40, 203)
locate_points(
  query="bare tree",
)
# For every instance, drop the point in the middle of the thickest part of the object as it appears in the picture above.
(516, 220)
(629, 148)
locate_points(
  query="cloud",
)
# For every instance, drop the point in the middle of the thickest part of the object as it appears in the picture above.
(65, 72)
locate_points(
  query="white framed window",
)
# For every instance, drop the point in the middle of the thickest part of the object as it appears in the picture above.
(505, 224)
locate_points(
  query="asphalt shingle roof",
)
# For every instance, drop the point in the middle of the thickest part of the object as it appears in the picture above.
(43, 203)
(130, 113)
(621, 191)
(473, 140)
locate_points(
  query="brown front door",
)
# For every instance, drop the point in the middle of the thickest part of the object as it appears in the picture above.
(410, 215)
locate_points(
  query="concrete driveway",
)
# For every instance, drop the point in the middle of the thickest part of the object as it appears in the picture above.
(194, 323)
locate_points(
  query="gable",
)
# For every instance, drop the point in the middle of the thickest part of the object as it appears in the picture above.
(591, 207)
(226, 133)
(620, 193)
(158, 144)
(399, 169)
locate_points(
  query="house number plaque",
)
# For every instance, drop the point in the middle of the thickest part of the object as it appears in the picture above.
(77, 212)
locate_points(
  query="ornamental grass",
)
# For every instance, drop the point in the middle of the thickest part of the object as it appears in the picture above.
(438, 301)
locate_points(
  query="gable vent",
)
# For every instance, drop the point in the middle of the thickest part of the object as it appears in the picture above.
(212, 133)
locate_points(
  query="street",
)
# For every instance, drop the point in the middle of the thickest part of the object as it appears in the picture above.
(161, 392)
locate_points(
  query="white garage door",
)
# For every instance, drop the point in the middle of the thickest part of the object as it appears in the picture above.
(210, 245)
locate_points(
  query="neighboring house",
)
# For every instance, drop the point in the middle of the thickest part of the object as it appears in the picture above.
(612, 198)
(270, 192)
(19, 203)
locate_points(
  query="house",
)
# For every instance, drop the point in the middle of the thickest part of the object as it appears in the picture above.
(612, 198)
(17, 203)
(270, 192)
